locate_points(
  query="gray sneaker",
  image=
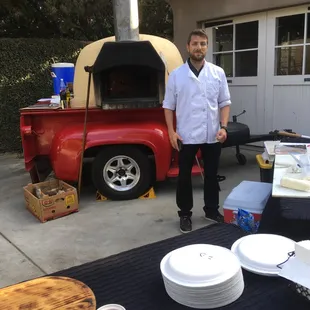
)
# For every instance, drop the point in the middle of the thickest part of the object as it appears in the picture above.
(217, 217)
(185, 224)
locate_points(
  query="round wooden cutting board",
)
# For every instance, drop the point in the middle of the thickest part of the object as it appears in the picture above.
(48, 293)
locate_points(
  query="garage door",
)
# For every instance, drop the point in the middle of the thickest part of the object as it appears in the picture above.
(288, 70)
(266, 58)
(238, 46)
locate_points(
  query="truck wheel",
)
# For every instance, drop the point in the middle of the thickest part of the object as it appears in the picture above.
(121, 173)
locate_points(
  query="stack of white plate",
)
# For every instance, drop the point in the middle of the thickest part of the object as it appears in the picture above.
(202, 276)
(263, 254)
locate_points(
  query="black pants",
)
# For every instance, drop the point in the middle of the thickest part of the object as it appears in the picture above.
(211, 156)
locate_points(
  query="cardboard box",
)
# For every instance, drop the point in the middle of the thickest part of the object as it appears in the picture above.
(51, 204)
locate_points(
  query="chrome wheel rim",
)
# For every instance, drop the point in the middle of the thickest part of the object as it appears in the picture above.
(121, 173)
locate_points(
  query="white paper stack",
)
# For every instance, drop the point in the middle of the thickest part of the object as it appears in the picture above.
(202, 276)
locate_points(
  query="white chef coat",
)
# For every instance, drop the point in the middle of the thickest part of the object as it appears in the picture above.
(197, 101)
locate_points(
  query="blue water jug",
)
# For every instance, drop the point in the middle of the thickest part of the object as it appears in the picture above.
(62, 70)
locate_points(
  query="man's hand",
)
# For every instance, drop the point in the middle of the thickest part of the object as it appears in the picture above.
(173, 136)
(221, 135)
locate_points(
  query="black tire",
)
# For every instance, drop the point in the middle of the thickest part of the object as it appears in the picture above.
(241, 159)
(141, 160)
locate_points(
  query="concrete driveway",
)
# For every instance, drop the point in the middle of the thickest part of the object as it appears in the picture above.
(30, 249)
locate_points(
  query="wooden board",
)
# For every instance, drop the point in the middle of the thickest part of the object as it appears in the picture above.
(48, 293)
(279, 171)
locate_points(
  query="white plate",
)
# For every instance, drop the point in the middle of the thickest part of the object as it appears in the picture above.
(199, 265)
(206, 298)
(261, 253)
(111, 307)
(202, 276)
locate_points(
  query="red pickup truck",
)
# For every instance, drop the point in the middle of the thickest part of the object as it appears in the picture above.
(126, 131)
(130, 148)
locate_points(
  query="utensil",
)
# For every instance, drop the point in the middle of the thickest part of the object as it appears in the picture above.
(90, 71)
(292, 135)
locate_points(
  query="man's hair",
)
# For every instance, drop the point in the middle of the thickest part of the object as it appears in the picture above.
(197, 32)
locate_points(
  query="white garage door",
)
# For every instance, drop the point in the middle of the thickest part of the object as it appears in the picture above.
(266, 58)
(288, 70)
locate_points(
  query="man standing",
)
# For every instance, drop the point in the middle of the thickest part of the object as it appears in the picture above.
(198, 92)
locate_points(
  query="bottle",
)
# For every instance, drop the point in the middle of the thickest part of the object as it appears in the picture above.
(62, 94)
(63, 99)
(62, 86)
(68, 97)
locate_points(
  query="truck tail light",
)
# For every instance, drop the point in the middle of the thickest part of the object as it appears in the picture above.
(26, 130)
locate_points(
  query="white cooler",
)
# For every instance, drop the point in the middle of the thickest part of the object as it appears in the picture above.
(249, 196)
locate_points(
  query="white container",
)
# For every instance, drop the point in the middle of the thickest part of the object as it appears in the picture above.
(249, 196)
(112, 307)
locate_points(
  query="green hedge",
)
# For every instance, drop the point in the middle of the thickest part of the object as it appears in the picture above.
(25, 77)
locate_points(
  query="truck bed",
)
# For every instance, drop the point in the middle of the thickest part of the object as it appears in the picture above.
(40, 127)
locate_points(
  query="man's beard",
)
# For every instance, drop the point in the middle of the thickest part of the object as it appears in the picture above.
(197, 57)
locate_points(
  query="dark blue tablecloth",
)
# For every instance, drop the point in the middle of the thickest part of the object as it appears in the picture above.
(133, 278)
(289, 217)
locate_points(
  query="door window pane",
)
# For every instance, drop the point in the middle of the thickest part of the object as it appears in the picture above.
(290, 29)
(225, 61)
(246, 63)
(289, 60)
(247, 35)
(307, 69)
(308, 30)
(223, 38)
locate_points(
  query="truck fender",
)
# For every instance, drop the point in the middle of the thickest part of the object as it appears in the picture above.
(66, 147)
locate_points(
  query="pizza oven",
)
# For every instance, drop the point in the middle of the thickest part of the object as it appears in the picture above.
(128, 74)
(129, 70)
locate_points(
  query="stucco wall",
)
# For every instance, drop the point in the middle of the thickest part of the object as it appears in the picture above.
(188, 12)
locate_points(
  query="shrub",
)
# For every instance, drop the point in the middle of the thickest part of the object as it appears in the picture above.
(25, 77)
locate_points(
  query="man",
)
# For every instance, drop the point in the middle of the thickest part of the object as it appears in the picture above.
(198, 92)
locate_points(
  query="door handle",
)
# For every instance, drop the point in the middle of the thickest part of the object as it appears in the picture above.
(229, 81)
(306, 79)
